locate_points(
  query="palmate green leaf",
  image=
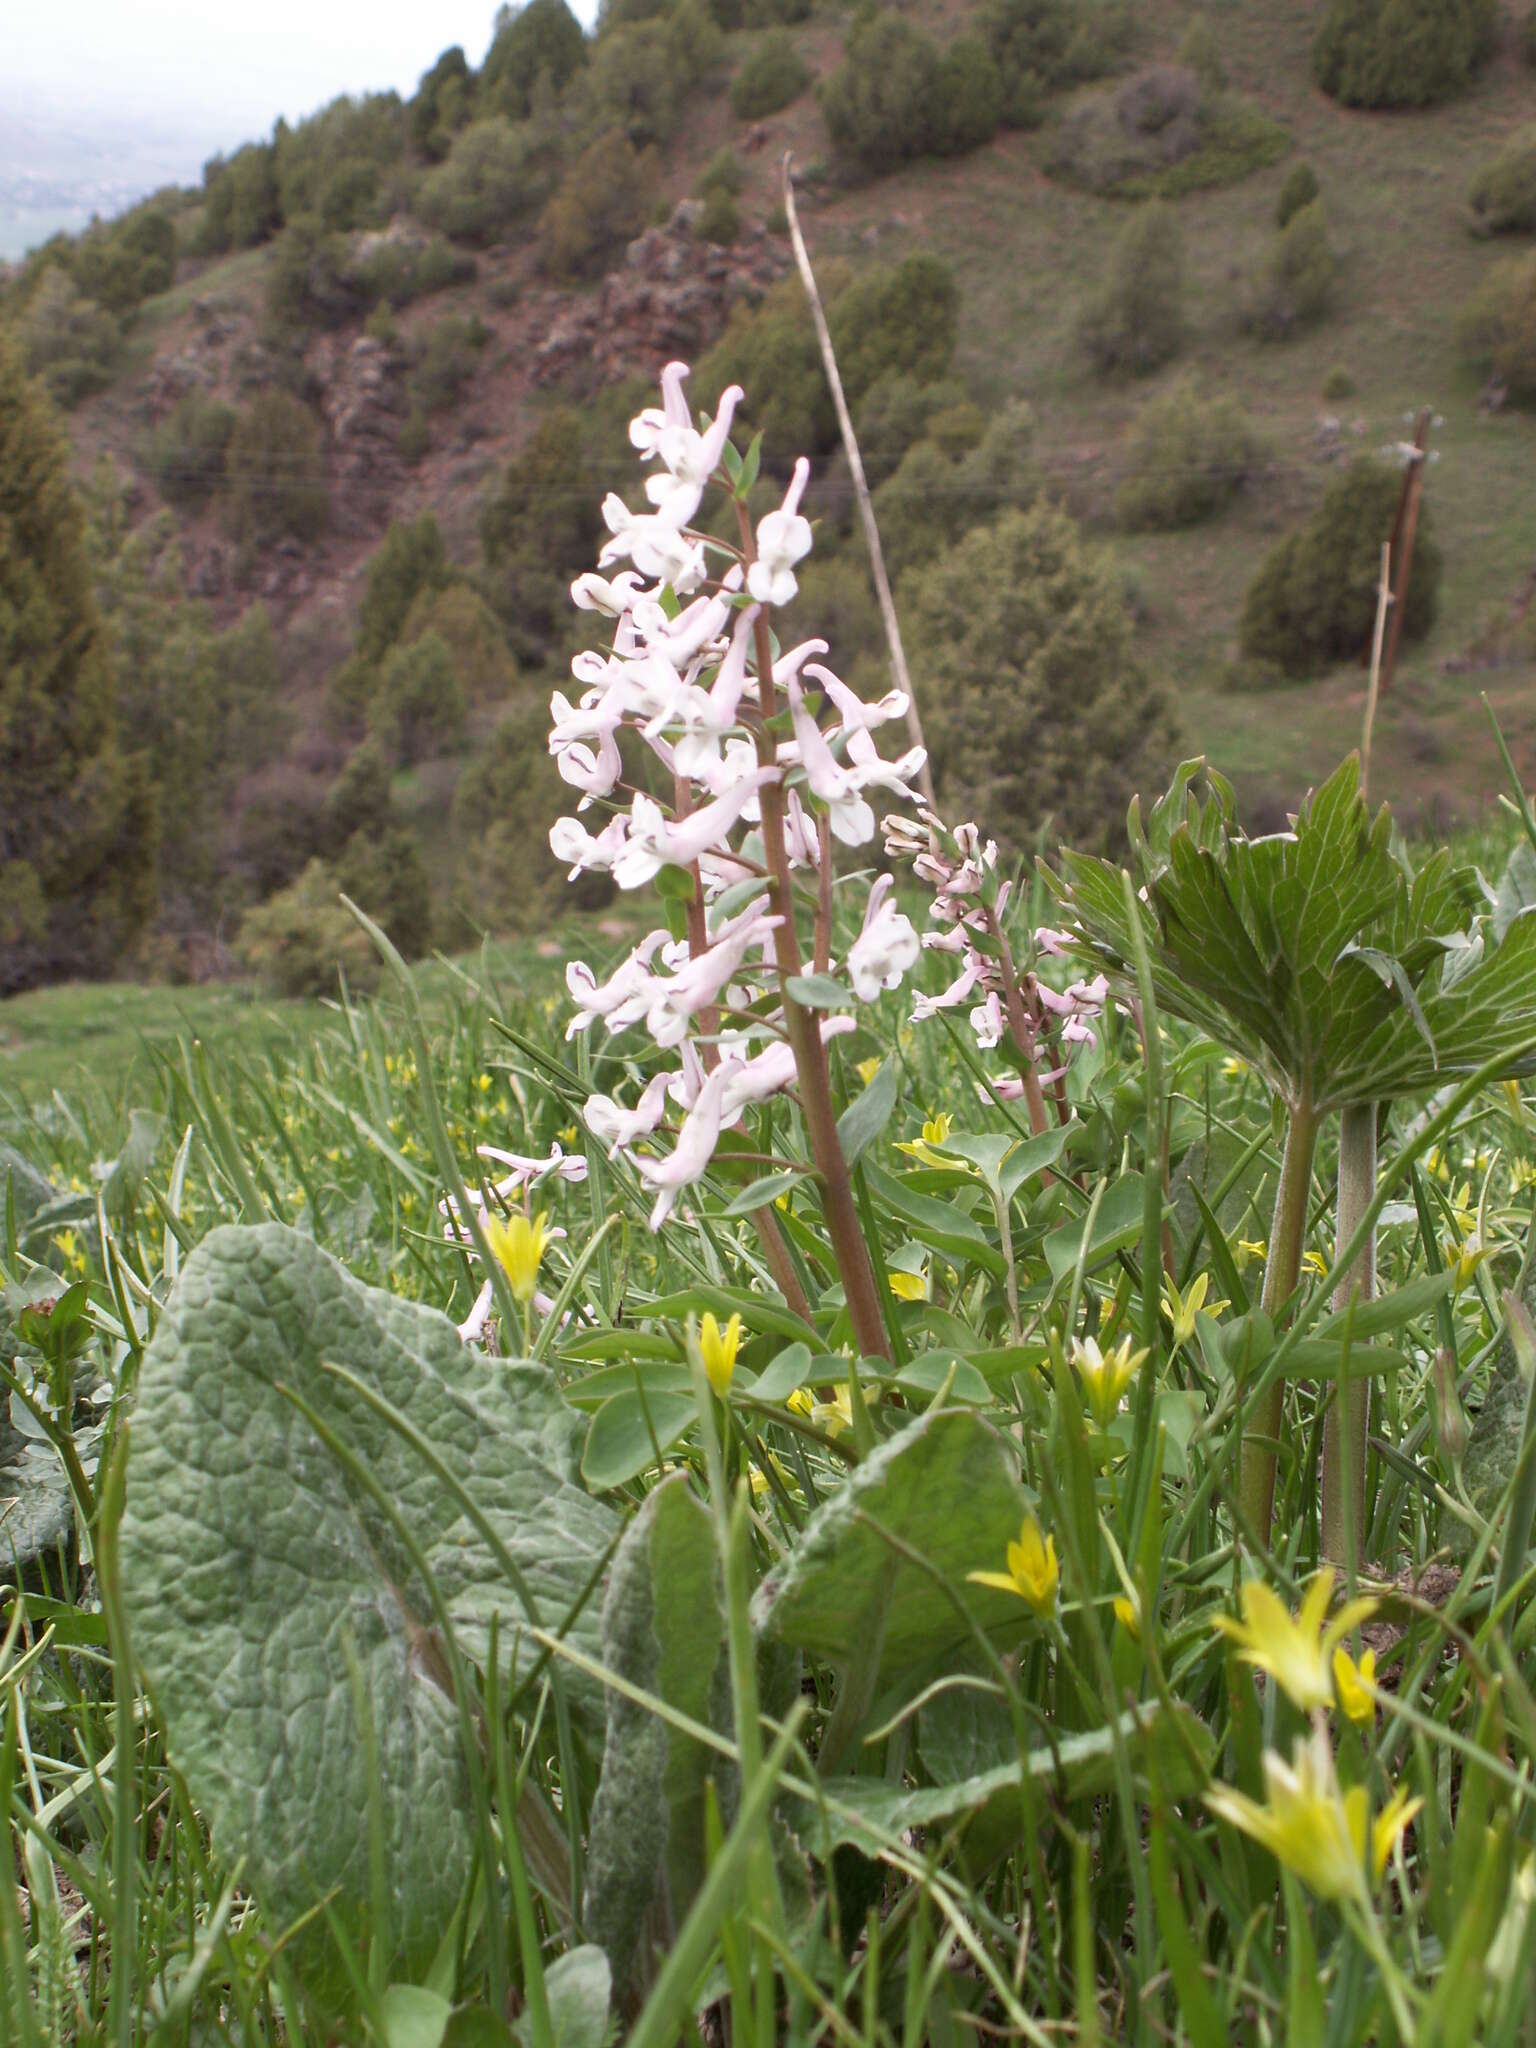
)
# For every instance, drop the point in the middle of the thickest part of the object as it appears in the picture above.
(948, 1488)
(254, 1561)
(1315, 954)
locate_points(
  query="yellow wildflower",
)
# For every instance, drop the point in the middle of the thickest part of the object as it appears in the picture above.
(1522, 1175)
(1296, 1652)
(1105, 1377)
(1128, 1614)
(518, 1247)
(1251, 1248)
(718, 1349)
(1314, 1262)
(867, 1070)
(1182, 1309)
(1352, 1680)
(485, 1083)
(935, 1132)
(1234, 1068)
(833, 1416)
(68, 1244)
(1032, 1573)
(569, 1135)
(1316, 1830)
(908, 1286)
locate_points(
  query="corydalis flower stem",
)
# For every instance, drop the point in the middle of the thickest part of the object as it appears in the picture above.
(849, 1248)
(1018, 1025)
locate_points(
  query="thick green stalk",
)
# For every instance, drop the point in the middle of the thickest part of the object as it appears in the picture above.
(1282, 1269)
(1348, 1418)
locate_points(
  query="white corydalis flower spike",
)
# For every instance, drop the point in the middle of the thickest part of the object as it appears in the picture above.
(886, 949)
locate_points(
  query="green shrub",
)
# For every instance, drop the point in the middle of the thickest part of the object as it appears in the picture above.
(394, 270)
(936, 496)
(968, 98)
(720, 222)
(722, 173)
(185, 453)
(414, 439)
(773, 75)
(1338, 383)
(1299, 190)
(901, 319)
(1186, 457)
(496, 178)
(301, 939)
(1042, 46)
(1200, 52)
(602, 203)
(1402, 53)
(335, 167)
(447, 358)
(897, 95)
(1503, 194)
(878, 104)
(411, 560)
(1036, 705)
(444, 103)
(310, 283)
(1162, 133)
(473, 635)
(539, 529)
(643, 74)
(417, 708)
(275, 465)
(127, 262)
(507, 798)
(1313, 600)
(1498, 327)
(540, 42)
(1135, 321)
(359, 799)
(894, 413)
(67, 339)
(1296, 288)
(241, 205)
(383, 872)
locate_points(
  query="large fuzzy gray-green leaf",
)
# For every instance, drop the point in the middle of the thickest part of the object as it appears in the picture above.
(948, 1487)
(251, 1562)
(1498, 1433)
(663, 1631)
(37, 1511)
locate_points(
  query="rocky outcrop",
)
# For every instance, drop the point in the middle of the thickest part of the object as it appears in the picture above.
(672, 297)
(361, 397)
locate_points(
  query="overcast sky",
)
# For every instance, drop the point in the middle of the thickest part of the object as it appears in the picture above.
(209, 66)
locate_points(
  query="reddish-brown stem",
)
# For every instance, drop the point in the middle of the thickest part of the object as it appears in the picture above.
(769, 1236)
(823, 952)
(848, 1245)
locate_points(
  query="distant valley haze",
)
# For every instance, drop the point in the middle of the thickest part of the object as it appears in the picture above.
(104, 101)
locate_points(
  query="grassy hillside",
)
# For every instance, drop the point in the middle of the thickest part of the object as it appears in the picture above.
(1028, 251)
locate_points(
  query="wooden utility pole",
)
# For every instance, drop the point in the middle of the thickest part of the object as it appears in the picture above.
(1404, 528)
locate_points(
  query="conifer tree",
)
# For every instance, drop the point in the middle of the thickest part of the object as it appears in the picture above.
(77, 828)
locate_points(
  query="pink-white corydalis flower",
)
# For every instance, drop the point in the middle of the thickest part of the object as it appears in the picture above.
(616, 1127)
(620, 999)
(654, 842)
(676, 1000)
(887, 947)
(530, 1172)
(783, 538)
(594, 593)
(853, 820)
(948, 998)
(657, 547)
(651, 422)
(689, 459)
(1057, 944)
(854, 714)
(570, 841)
(987, 1022)
(472, 1329)
(595, 771)
(689, 1159)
